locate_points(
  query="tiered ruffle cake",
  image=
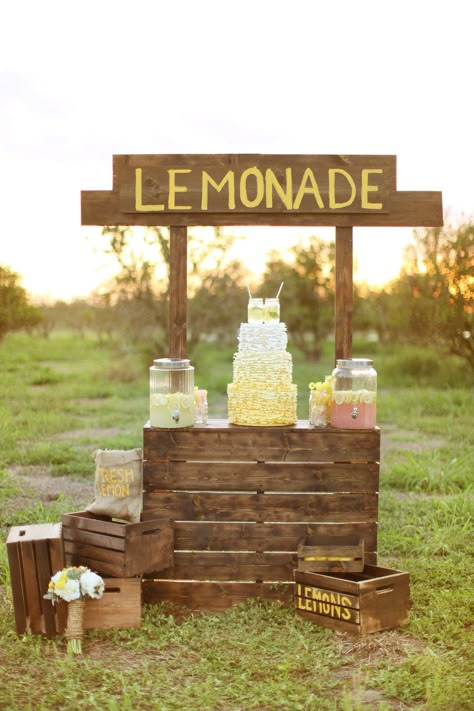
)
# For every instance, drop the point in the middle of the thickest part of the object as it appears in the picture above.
(262, 392)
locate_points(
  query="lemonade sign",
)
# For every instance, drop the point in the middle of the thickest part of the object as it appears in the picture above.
(252, 189)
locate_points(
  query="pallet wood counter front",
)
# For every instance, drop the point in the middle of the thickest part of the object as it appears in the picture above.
(244, 498)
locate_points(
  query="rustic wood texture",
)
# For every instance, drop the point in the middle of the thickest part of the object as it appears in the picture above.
(178, 292)
(267, 476)
(343, 293)
(380, 596)
(117, 549)
(335, 555)
(215, 596)
(219, 506)
(253, 183)
(405, 209)
(220, 441)
(119, 607)
(251, 536)
(35, 554)
(244, 498)
(270, 207)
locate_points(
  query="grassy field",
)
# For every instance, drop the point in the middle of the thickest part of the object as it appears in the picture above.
(64, 397)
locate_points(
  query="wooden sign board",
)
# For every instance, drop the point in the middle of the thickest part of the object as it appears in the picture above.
(256, 189)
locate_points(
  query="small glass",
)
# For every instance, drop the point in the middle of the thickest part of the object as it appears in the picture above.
(200, 406)
(255, 310)
(271, 311)
(318, 408)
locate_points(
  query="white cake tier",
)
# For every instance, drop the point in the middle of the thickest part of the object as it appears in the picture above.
(248, 404)
(268, 370)
(261, 337)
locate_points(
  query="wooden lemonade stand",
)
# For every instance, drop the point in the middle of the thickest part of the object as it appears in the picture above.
(243, 498)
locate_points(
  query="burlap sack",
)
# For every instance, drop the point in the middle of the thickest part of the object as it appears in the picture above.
(118, 484)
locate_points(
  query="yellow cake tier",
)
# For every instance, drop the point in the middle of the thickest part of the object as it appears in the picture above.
(269, 370)
(249, 404)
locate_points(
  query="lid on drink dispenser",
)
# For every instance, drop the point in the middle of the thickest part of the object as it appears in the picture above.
(171, 363)
(354, 362)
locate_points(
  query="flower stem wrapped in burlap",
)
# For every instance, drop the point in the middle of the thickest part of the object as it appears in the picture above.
(74, 629)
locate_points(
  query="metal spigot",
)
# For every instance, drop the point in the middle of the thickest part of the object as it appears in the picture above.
(355, 412)
(176, 415)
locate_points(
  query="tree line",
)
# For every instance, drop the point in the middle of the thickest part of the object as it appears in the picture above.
(430, 303)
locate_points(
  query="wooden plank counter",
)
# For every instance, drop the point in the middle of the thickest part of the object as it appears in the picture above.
(244, 498)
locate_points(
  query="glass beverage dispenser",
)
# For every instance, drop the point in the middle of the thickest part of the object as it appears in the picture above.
(171, 393)
(354, 394)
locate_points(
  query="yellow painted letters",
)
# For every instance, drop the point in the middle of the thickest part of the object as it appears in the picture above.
(260, 188)
(228, 178)
(139, 206)
(285, 195)
(333, 204)
(366, 189)
(173, 189)
(312, 189)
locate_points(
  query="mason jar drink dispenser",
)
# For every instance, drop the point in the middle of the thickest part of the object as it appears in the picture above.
(171, 393)
(354, 394)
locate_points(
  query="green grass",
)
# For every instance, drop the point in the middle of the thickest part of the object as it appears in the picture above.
(62, 398)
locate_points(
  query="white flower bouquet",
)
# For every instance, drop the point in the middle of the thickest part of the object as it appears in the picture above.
(75, 585)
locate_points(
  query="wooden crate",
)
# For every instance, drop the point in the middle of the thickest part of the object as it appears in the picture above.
(339, 554)
(120, 606)
(117, 549)
(360, 603)
(243, 498)
(34, 555)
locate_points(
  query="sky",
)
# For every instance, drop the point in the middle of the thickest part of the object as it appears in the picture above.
(80, 82)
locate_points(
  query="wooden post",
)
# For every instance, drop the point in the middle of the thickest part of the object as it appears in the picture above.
(178, 291)
(344, 293)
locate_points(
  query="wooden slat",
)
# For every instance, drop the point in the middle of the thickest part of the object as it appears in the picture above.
(344, 293)
(227, 565)
(111, 543)
(178, 292)
(326, 609)
(100, 560)
(313, 592)
(249, 476)
(32, 595)
(205, 535)
(329, 622)
(205, 595)
(17, 587)
(405, 209)
(185, 506)
(44, 573)
(221, 441)
(56, 553)
(84, 520)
